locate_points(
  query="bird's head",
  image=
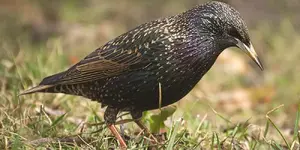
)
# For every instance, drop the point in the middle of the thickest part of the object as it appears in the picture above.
(226, 26)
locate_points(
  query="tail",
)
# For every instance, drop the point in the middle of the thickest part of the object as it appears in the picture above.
(39, 88)
(46, 85)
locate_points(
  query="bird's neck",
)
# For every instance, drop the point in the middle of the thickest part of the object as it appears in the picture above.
(207, 54)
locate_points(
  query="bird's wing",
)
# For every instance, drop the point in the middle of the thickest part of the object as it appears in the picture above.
(99, 67)
(123, 54)
(100, 64)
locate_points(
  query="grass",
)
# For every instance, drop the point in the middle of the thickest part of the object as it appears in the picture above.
(55, 121)
(234, 106)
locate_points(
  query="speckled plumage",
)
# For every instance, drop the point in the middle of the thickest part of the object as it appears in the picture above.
(176, 51)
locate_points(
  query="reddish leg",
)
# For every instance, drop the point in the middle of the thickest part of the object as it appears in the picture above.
(141, 126)
(146, 130)
(110, 116)
(115, 132)
(137, 115)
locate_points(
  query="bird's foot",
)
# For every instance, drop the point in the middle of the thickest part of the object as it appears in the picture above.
(147, 132)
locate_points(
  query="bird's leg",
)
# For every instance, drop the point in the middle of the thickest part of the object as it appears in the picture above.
(115, 132)
(110, 116)
(137, 115)
(146, 130)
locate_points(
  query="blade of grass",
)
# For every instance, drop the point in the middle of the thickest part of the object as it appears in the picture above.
(177, 141)
(218, 141)
(276, 146)
(199, 143)
(159, 102)
(266, 129)
(6, 143)
(56, 121)
(296, 127)
(293, 144)
(212, 142)
(285, 141)
(173, 135)
(216, 113)
(235, 131)
(252, 146)
(159, 96)
(42, 110)
(273, 124)
(200, 124)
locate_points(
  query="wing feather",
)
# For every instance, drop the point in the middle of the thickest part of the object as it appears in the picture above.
(121, 55)
(98, 67)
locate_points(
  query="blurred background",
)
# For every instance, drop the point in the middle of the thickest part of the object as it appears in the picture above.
(41, 37)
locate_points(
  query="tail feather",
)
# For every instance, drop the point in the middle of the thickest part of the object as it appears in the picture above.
(39, 88)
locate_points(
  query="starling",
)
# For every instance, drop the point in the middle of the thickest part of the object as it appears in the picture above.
(174, 52)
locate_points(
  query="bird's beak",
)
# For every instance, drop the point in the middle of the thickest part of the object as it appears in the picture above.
(249, 50)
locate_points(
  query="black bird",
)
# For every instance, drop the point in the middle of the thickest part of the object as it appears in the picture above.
(175, 52)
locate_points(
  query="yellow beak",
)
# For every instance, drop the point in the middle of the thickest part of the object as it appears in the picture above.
(251, 53)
